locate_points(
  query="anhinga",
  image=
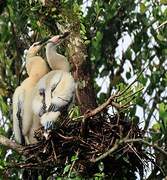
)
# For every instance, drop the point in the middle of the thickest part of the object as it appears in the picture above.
(24, 120)
(55, 91)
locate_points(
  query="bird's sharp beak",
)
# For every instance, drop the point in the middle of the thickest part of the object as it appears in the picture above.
(43, 42)
(55, 39)
(58, 38)
(66, 34)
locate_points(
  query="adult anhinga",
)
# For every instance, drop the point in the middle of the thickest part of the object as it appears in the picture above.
(55, 91)
(24, 120)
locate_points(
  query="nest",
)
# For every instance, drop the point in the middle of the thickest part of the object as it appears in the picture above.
(82, 145)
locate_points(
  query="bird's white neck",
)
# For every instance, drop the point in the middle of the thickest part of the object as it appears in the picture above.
(56, 61)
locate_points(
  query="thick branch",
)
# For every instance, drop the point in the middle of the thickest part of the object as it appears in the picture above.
(138, 140)
(11, 144)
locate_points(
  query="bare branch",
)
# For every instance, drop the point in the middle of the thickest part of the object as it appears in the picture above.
(137, 140)
(11, 144)
(109, 102)
(103, 106)
(151, 111)
(164, 23)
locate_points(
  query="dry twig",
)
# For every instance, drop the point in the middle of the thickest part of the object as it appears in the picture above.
(126, 141)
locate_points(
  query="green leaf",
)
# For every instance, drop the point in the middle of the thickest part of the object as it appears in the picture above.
(163, 110)
(99, 36)
(83, 30)
(163, 2)
(99, 176)
(66, 169)
(126, 160)
(74, 158)
(74, 112)
(1, 167)
(128, 54)
(160, 37)
(163, 115)
(143, 8)
(143, 80)
(156, 127)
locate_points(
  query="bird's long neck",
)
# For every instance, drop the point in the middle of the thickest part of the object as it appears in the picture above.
(31, 53)
(39, 69)
(56, 61)
(36, 67)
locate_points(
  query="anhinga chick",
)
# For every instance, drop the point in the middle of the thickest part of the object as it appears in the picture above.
(24, 120)
(55, 91)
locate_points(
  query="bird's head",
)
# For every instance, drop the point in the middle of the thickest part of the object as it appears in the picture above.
(34, 49)
(56, 40)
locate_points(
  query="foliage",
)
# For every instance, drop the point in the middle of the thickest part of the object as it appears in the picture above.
(121, 40)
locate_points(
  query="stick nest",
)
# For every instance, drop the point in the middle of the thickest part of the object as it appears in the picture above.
(80, 143)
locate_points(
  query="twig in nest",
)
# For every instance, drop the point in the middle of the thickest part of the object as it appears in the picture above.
(125, 140)
(36, 165)
(65, 137)
(45, 148)
(54, 152)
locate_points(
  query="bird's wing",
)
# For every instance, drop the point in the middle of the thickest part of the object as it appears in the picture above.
(18, 103)
(39, 95)
(62, 92)
(38, 102)
(22, 109)
(59, 89)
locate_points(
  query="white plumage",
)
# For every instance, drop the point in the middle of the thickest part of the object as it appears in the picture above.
(24, 120)
(55, 91)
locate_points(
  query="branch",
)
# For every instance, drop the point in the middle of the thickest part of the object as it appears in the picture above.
(151, 111)
(111, 102)
(103, 106)
(118, 73)
(11, 144)
(164, 23)
(135, 80)
(118, 143)
(148, 144)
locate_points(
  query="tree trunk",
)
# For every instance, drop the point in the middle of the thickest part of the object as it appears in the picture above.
(81, 70)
